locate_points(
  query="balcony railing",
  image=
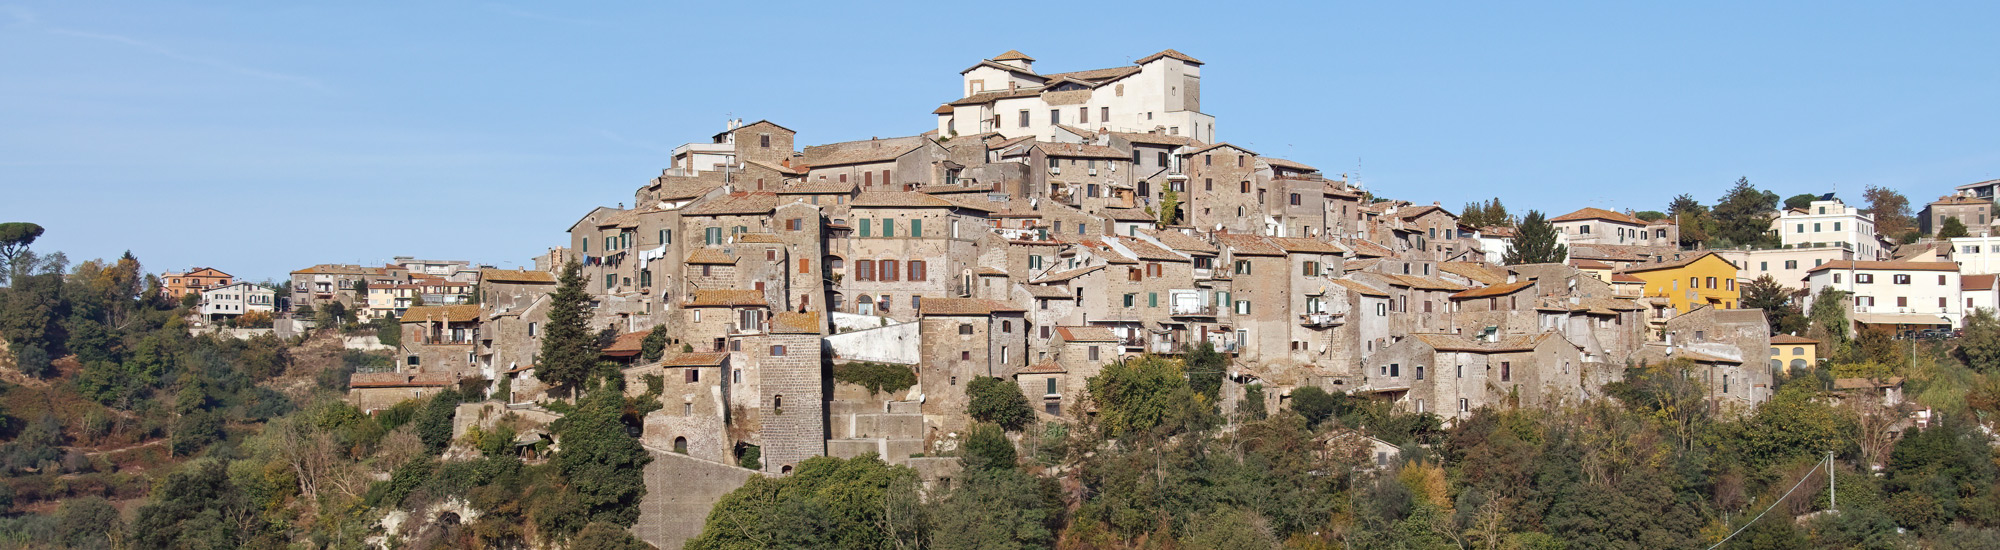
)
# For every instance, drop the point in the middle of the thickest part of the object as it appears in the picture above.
(1321, 319)
(1198, 310)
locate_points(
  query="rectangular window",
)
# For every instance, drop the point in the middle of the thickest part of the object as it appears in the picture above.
(1093, 353)
(1055, 116)
(1035, 261)
(1083, 115)
(610, 280)
(1242, 307)
(1940, 280)
(776, 351)
(1152, 299)
(916, 228)
(1902, 301)
(918, 271)
(889, 272)
(805, 266)
(1128, 299)
(1506, 371)
(1024, 118)
(1051, 386)
(1901, 279)
(712, 236)
(865, 226)
(888, 227)
(917, 304)
(666, 236)
(1242, 267)
(1420, 372)
(864, 270)
(1864, 278)
(1941, 301)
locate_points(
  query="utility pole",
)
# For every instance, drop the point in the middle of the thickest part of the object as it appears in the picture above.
(1832, 495)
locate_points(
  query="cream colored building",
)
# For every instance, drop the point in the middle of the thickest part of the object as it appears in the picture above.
(236, 299)
(1005, 95)
(1787, 265)
(1829, 224)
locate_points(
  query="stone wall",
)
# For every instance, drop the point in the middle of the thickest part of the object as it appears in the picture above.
(799, 377)
(680, 490)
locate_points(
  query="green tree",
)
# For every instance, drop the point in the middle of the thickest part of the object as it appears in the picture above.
(1696, 225)
(1205, 369)
(15, 237)
(1004, 509)
(1891, 210)
(986, 447)
(1315, 404)
(1980, 347)
(1829, 314)
(569, 350)
(1650, 215)
(1744, 214)
(87, 522)
(1952, 229)
(1800, 201)
(655, 344)
(998, 401)
(604, 464)
(1170, 208)
(1252, 405)
(826, 503)
(1535, 242)
(1484, 214)
(1775, 299)
(1139, 395)
(434, 422)
(599, 535)
(389, 330)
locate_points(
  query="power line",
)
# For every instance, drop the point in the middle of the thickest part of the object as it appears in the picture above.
(1781, 500)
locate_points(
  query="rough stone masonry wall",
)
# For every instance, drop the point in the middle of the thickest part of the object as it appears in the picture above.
(798, 376)
(680, 490)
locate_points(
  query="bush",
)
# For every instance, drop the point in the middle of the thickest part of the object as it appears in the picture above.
(877, 377)
(750, 457)
(986, 447)
(1315, 404)
(998, 401)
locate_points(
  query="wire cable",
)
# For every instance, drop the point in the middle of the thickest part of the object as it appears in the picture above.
(1767, 510)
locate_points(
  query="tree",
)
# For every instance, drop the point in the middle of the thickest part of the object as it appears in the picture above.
(1829, 314)
(1003, 509)
(998, 401)
(434, 422)
(1775, 299)
(601, 535)
(826, 503)
(1170, 208)
(986, 447)
(1891, 210)
(87, 522)
(1800, 201)
(569, 350)
(655, 344)
(1252, 405)
(1485, 214)
(605, 465)
(389, 330)
(1136, 396)
(1952, 229)
(14, 240)
(1695, 223)
(1206, 369)
(1535, 242)
(1315, 404)
(1743, 216)
(1650, 215)
(1980, 347)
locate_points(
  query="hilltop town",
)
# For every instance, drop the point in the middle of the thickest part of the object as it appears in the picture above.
(1044, 226)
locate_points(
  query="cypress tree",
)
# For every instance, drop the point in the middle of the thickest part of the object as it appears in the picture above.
(1535, 242)
(568, 347)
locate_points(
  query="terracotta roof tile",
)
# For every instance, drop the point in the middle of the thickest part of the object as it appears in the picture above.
(1049, 292)
(1168, 53)
(727, 298)
(710, 256)
(1075, 150)
(1087, 334)
(696, 359)
(1045, 367)
(1182, 241)
(898, 199)
(1478, 273)
(1597, 214)
(1305, 245)
(527, 276)
(441, 314)
(786, 322)
(738, 204)
(1248, 245)
(1787, 339)
(1067, 275)
(1642, 268)
(627, 344)
(400, 380)
(1887, 266)
(1495, 290)
(1286, 164)
(964, 306)
(1360, 288)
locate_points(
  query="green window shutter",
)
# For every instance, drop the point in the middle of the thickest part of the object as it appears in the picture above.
(1152, 299)
(586, 245)
(888, 227)
(864, 226)
(916, 228)
(1128, 300)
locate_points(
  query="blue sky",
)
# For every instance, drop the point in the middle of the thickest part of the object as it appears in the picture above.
(261, 137)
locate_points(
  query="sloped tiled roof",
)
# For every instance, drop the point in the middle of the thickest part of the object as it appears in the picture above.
(400, 380)
(817, 188)
(1045, 367)
(1976, 282)
(861, 152)
(1150, 252)
(737, 204)
(1067, 275)
(1359, 287)
(699, 256)
(1463, 344)
(1286, 164)
(527, 276)
(1597, 214)
(898, 199)
(1248, 245)
(1684, 262)
(963, 306)
(1156, 139)
(762, 238)
(696, 359)
(1169, 52)
(1502, 289)
(727, 298)
(627, 344)
(1011, 55)
(1075, 150)
(1887, 266)
(786, 322)
(1182, 241)
(1419, 283)
(1305, 245)
(1049, 292)
(1097, 76)
(1127, 214)
(1787, 339)
(1087, 334)
(1369, 249)
(441, 314)
(1482, 274)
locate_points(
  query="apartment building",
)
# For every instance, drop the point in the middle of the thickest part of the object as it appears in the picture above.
(1897, 294)
(175, 284)
(1005, 95)
(1829, 223)
(1975, 212)
(236, 299)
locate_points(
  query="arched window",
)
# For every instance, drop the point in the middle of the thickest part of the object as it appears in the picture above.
(1798, 363)
(777, 404)
(1799, 350)
(1777, 363)
(785, 470)
(681, 445)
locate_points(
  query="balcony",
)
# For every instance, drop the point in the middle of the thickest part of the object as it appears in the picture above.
(1197, 310)
(1322, 320)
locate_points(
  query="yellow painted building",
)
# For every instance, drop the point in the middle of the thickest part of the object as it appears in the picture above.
(1704, 279)
(1793, 352)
